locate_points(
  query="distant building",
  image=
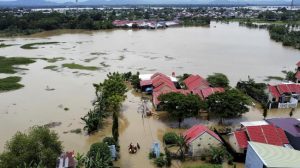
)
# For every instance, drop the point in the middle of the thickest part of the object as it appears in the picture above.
(268, 134)
(200, 139)
(66, 160)
(291, 126)
(260, 155)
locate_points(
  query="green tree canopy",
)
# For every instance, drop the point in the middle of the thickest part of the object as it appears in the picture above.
(231, 103)
(218, 80)
(99, 156)
(181, 106)
(39, 146)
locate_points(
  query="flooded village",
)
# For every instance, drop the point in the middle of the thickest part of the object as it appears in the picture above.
(222, 95)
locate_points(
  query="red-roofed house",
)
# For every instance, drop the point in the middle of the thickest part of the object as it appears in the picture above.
(268, 134)
(286, 95)
(200, 139)
(209, 91)
(194, 82)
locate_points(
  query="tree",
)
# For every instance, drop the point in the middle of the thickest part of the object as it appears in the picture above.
(218, 155)
(218, 80)
(181, 106)
(290, 76)
(93, 121)
(80, 158)
(231, 103)
(115, 127)
(99, 156)
(39, 146)
(170, 138)
(183, 146)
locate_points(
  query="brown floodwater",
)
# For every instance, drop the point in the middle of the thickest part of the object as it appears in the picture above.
(227, 48)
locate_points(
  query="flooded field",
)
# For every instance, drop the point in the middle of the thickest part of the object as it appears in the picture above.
(227, 48)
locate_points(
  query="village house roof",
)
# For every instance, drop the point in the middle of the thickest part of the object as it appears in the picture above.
(276, 156)
(195, 81)
(290, 125)
(196, 131)
(145, 82)
(209, 91)
(290, 88)
(268, 134)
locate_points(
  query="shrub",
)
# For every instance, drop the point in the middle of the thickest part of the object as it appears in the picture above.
(160, 161)
(170, 138)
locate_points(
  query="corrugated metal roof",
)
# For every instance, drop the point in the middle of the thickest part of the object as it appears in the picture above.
(276, 156)
(197, 130)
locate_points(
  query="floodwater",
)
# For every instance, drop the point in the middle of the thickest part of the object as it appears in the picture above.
(227, 48)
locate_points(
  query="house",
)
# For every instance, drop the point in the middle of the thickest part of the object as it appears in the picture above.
(194, 82)
(268, 134)
(66, 160)
(286, 95)
(291, 126)
(200, 139)
(260, 155)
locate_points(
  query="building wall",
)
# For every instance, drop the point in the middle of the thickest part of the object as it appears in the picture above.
(252, 160)
(202, 143)
(234, 145)
(294, 141)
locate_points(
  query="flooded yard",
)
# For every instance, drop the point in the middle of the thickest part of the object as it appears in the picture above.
(236, 51)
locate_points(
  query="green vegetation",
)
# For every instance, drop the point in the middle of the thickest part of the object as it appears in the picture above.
(231, 103)
(51, 67)
(170, 138)
(81, 67)
(218, 80)
(39, 146)
(10, 83)
(274, 78)
(109, 96)
(285, 34)
(76, 131)
(99, 156)
(2, 45)
(206, 166)
(290, 76)
(254, 90)
(196, 21)
(33, 45)
(218, 155)
(7, 63)
(54, 59)
(180, 106)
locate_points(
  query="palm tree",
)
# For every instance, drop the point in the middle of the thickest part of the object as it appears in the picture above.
(92, 121)
(183, 146)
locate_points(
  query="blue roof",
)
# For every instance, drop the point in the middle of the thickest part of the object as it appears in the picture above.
(290, 125)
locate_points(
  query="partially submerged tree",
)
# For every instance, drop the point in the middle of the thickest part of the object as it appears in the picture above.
(99, 156)
(229, 104)
(39, 146)
(181, 106)
(218, 80)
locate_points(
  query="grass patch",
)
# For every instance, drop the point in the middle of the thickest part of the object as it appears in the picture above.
(104, 64)
(51, 67)
(90, 59)
(33, 45)
(7, 64)
(76, 131)
(81, 67)
(2, 45)
(10, 83)
(274, 78)
(53, 60)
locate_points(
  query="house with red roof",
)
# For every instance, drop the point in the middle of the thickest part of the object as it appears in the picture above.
(195, 82)
(286, 95)
(200, 138)
(268, 134)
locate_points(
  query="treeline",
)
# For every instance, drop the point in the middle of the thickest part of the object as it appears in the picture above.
(288, 35)
(37, 21)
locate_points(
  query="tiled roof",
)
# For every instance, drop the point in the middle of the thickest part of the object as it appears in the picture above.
(255, 134)
(197, 130)
(241, 138)
(209, 91)
(195, 82)
(145, 82)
